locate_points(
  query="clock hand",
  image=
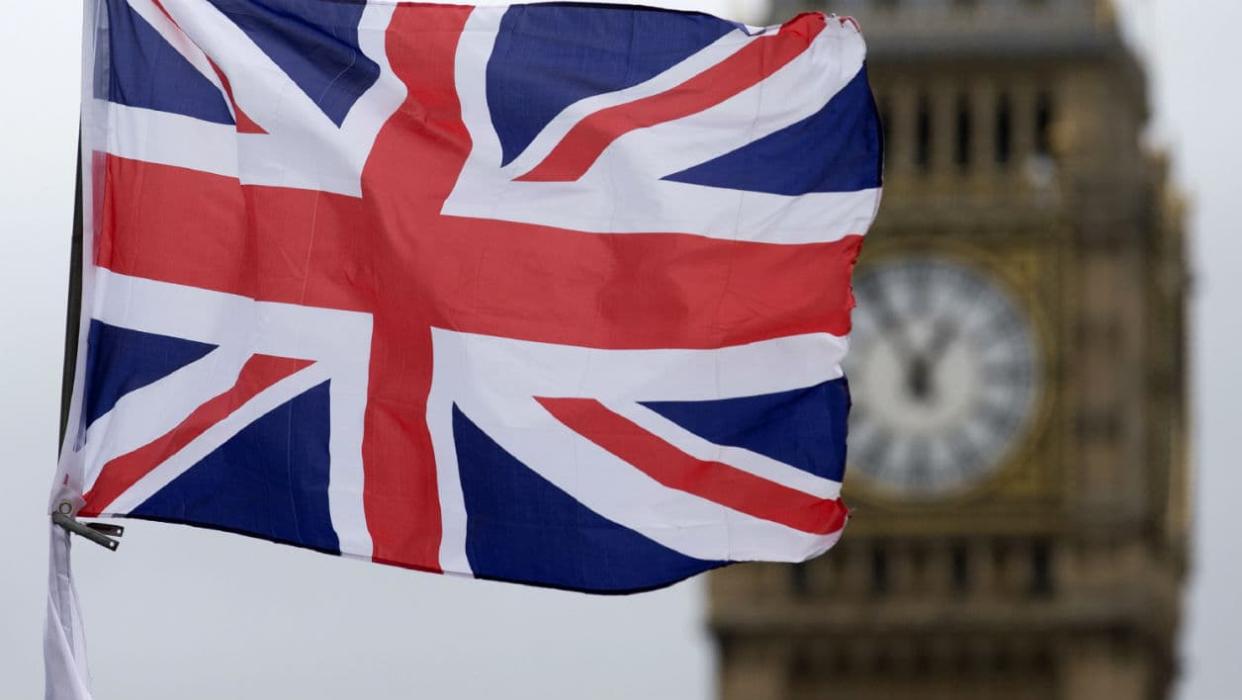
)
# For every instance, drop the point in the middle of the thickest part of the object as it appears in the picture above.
(892, 327)
(921, 378)
(918, 378)
(918, 370)
(944, 332)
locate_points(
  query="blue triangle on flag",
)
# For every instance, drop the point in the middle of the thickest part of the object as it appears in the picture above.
(804, 428)
(146, 71)
(837, 149)
(270, 480)
(120, 360)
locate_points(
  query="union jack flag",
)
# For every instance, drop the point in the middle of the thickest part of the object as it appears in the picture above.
(555, 293)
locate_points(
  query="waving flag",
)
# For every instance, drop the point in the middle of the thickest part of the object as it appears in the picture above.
(555, 294)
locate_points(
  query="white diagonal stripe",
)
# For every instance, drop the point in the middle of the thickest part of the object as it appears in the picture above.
(148, 413)
(338, 341)
(494, 381)
(302, 148)
(754, 463)
(615, 489)
(555, 130)
(796, 91)
(263, 403)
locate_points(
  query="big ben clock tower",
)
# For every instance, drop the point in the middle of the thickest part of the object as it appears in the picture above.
(1018, 469)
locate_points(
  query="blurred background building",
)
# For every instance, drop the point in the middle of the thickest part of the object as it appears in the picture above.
(1018, 451)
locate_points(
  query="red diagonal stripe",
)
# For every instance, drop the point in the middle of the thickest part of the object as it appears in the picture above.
(584, 143)
(714, 481)
(118, 475)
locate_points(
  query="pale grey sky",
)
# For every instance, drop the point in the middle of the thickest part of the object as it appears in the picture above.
(179, 612)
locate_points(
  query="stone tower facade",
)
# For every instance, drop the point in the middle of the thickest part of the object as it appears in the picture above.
(1025, 537)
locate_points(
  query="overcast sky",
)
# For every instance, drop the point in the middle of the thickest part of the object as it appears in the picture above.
(179, 612)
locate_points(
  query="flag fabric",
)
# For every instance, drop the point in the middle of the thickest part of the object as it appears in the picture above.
(555, 294)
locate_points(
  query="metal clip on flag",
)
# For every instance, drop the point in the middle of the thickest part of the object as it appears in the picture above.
(555, 294)
(99, 533)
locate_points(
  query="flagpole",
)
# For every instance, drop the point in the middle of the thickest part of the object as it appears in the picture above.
(73, 308)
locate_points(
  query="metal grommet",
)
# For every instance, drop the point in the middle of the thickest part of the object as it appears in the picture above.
(65, 507)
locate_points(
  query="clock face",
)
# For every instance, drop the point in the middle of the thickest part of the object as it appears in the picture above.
(944, 372)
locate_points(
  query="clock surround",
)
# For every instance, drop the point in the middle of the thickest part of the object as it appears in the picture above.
(946, 370)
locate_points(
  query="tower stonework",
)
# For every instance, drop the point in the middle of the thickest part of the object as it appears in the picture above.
(1018, 451)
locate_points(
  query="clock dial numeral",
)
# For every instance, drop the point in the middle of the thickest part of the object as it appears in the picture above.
(944, 374)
